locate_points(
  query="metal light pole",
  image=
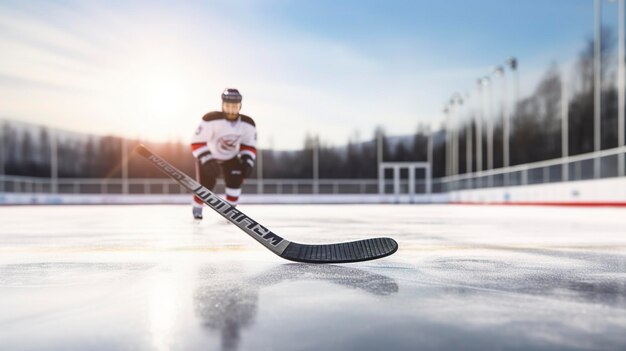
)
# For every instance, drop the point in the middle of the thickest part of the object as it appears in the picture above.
(446, 111)
(479, 126)
(54, 162)
(468, 148)
(2, 156)
(505, 118)
(458, 101)
(564, 130)
(379, 161)
(468, 139)
(499, 72)
(512, 63)
(124, 166)
(453, 137)
(621, 88)
(379, 147)
(487, 81)
(454, 150)
(316, 165)
(597, 86)
(429, 149)
(430, 162)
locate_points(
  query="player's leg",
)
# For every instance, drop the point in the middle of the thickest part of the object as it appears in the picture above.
(233, 179)
(207, 175)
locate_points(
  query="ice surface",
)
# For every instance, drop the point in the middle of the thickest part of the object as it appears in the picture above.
(465, 277)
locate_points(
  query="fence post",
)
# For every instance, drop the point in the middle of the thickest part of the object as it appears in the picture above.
(54, 163)
(124, 166)
(412, 183)
(429, 184)
(396, 180)
(2, 152)
(316, 165)
(381, 179)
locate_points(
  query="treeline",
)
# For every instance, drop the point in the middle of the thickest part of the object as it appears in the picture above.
(27, 152)
(535, 136)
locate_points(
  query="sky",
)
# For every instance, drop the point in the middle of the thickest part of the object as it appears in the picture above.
(338, 69)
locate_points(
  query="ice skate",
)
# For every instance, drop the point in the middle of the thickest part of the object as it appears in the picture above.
(197, 213)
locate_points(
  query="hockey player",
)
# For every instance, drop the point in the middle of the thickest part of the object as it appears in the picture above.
(225, 142)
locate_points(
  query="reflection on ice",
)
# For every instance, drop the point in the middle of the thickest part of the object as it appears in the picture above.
(229, 305)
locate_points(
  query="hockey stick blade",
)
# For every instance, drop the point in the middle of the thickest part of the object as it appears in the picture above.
(354, 251)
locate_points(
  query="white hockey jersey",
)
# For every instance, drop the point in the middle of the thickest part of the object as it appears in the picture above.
(223, 139)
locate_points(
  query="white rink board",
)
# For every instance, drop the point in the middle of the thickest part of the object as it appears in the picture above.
(612, 190)
(71, 199)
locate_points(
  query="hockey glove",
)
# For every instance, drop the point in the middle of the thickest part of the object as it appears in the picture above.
(247, 163)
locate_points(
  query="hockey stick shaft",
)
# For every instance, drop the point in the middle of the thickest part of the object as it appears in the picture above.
(266, 237)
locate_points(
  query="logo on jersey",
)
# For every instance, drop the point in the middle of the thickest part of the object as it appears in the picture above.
(228, 143)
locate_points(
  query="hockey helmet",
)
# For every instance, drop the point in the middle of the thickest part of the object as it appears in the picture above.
(231, 95)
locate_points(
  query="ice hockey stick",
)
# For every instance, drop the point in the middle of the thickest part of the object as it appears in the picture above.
(354, 251)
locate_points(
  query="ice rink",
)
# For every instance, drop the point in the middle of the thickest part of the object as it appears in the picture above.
(464, 277)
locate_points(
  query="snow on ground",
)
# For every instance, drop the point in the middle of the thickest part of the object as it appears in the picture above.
(465, 277)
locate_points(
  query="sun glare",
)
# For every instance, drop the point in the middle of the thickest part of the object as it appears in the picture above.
(161, 92)
(158, 94)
